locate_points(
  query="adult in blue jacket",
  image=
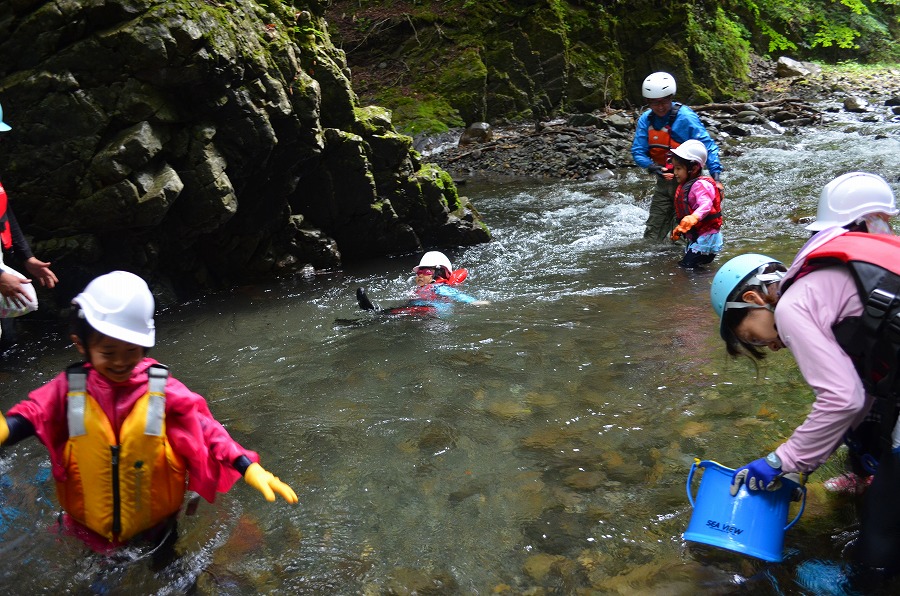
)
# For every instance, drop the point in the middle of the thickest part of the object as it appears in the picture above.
(660, 129)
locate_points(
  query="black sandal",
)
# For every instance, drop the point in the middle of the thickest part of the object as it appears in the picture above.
(364, 302)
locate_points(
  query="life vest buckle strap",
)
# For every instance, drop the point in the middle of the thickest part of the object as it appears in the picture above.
(156, 412)
(75, 414)
(893, 328)
(76, 401)
(879, 303)
(157, 375)
(156, 408)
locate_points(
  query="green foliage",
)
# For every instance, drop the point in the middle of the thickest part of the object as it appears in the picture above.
(724, 56)
(857, 6)
(777, 41)
(836, 34)
(839, 26)
(466, 60)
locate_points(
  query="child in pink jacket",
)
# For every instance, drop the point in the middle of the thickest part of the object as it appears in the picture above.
(126, 440)
(698, 206)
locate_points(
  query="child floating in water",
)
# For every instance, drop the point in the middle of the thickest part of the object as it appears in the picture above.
(126, 439)
(434, 291)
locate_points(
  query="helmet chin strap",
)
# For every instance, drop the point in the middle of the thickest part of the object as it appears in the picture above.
(764, 280)
(748, 305)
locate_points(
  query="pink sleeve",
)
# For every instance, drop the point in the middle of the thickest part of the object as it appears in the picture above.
(700, 199)
(804, 316)
(202, 441)
(45, 409)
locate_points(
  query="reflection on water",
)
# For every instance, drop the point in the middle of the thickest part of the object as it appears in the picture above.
(540, 442)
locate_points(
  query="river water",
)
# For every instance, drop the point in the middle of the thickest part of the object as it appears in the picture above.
(539, 444)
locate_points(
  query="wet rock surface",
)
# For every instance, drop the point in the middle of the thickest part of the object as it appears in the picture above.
(203, 145)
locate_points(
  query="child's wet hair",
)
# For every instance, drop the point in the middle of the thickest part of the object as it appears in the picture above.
(79, 327)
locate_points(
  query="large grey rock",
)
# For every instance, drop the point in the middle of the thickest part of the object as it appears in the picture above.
(788, 67)
(475, 133)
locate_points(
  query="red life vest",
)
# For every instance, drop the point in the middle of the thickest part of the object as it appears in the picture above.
(427, 292)
(454, 278)
(872, 340)
(712, 221)
(5, 230)
(660, 140)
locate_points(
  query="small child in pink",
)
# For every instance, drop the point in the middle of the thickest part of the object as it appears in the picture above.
(698, 206)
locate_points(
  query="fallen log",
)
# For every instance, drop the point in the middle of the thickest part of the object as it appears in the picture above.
(485, 147)
(739, 106)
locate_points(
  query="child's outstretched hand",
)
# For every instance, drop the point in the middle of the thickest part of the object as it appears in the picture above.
(268, 484)
(687, 222)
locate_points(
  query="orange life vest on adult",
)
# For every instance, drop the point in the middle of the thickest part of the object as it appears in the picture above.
(5, 230)
(712, 220)
(660, 140)
(120, 486)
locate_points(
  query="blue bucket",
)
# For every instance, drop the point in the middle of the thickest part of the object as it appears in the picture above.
(750, 523)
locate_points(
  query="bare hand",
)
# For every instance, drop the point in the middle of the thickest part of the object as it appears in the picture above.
(41, 271)
(12, 287)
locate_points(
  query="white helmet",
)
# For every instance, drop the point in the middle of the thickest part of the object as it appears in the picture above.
(659, 84)
(851, 196)
(119, 305)
(436, 260)
(692, 150)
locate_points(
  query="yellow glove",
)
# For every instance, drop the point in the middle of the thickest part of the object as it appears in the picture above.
(268, 484)
(4, 429)
(687, 222)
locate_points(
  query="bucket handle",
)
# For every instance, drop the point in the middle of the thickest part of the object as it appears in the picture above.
(802, 507)
(690, 478)
(697, 464)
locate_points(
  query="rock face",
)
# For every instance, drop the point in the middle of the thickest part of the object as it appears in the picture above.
(202, 143)
(454, 63)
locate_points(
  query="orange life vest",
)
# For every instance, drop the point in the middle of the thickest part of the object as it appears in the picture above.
(5, 230)
(712, 220)
(660, 140)
(119, 487)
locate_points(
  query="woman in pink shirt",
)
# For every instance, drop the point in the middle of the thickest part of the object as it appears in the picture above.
(811, 308)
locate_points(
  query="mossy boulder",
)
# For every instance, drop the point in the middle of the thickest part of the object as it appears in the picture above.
(201, 143)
